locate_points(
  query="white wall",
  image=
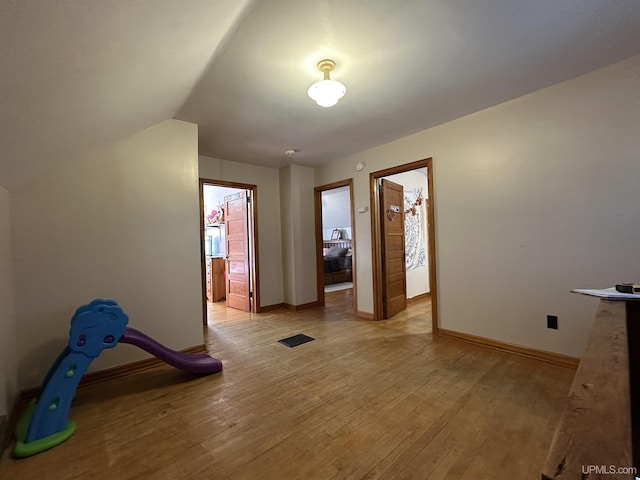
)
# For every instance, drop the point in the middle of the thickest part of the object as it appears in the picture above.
(417, 278)
(533, 197)
(336, 211)
(298, 234)
(8, 362)
(122, 223)
(267, 181)
(288, 238)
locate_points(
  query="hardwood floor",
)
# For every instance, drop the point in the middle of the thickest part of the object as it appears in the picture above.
(365, 399)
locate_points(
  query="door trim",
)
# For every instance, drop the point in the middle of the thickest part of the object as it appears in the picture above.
(254, 260)
(376, 232)
(318, 220)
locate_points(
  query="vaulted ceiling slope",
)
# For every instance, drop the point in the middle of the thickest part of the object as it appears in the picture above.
(78, 74)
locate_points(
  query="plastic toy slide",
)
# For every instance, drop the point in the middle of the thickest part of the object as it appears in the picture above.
(94, 327)
(189, 362)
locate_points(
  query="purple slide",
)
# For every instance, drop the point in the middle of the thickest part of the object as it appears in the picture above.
(189, 362)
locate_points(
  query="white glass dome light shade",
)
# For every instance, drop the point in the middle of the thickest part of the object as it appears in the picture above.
(326, 92)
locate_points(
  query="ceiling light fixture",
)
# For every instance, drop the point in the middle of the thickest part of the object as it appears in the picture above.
(326, 92)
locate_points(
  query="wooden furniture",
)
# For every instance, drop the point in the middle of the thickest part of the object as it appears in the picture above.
(215, 279)
(344, 243)
(344, 275)
(344, 272)
(594, 436)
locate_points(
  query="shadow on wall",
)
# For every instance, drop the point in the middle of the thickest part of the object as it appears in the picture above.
(36, 361)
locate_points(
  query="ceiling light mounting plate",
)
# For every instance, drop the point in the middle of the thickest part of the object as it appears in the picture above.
(326, 65)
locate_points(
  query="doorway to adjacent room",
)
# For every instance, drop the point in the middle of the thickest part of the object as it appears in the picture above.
(403, 238)
(228, 246)
(335, 243)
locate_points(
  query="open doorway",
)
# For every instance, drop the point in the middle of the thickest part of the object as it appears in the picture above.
(228, 247)
(335, 242)
(402, 218)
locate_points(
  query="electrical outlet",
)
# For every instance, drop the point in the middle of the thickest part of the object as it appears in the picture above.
(552, 322)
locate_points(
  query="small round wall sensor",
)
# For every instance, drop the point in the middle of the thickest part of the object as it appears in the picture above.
(359, 166)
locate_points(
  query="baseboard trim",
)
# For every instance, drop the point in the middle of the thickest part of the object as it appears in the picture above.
(303, 306)
(417, 298)
(548, 357)
(131, 368)
(268, 308)
(364, 315)
(120, 371)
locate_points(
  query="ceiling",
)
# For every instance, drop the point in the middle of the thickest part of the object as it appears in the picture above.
(80, 74)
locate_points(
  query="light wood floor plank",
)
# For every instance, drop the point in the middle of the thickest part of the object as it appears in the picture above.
(374, 400)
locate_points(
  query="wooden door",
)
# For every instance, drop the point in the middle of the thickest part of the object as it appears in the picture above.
(394, 288)
(236, 222)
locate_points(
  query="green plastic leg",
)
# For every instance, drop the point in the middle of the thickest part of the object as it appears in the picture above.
(31, 448)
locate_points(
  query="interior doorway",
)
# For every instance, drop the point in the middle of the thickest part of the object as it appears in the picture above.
(228, 246)
(335, 241)
(414, 210)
